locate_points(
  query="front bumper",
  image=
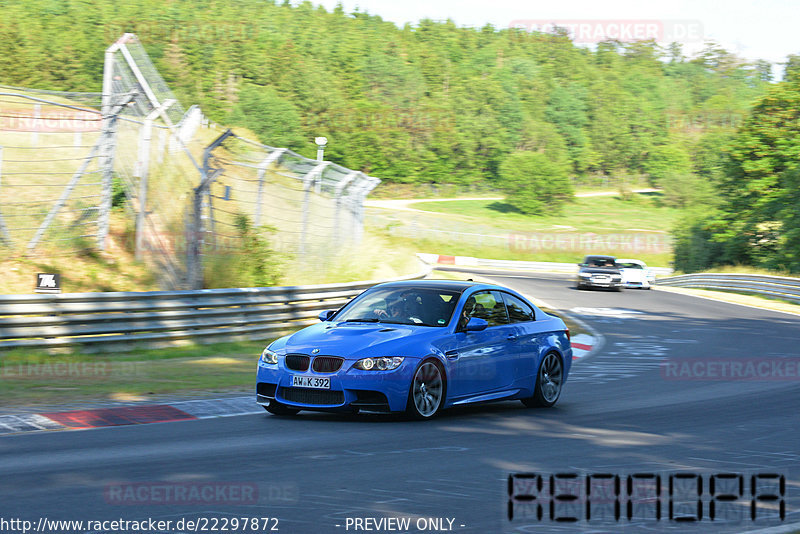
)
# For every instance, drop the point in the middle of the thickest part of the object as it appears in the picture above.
(599, 282)
(635, 284)
(350, 389)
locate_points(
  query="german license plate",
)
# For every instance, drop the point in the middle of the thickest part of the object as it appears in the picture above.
(313, 382)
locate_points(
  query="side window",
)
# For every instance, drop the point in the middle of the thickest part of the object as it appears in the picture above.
(518, 311)
(488, 305)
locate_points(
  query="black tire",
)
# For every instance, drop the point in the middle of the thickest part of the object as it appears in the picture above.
(549, 382)
(427, 391)
(618, 289)
(277, 408)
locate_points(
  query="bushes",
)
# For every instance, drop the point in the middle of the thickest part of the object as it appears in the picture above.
(534, 182)
(250, 263)
(694, 248)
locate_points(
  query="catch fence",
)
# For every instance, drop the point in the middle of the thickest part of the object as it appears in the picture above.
(187, 187)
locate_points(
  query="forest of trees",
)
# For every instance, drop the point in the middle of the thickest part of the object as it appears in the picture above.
(429, 103)
(435, 103)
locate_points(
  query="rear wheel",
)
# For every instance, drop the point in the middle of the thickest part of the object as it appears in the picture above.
(277, 408)
(426, 395)
(549, 381)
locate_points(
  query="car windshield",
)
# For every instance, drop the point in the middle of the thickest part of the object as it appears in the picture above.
(401, 305)
(600, 262)
(629, 266)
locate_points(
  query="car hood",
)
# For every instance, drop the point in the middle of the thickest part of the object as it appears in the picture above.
(606, 270)
(634, 274)
(358, 340)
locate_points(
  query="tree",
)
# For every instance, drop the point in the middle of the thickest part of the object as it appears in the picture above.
(273, 119)
(758, 221)
(534, 182)
(567, 109)
(667, 159)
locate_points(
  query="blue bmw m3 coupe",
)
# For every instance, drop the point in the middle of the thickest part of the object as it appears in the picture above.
(418, 347)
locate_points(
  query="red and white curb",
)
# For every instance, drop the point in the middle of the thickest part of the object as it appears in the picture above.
(582, 344)
(129, 415)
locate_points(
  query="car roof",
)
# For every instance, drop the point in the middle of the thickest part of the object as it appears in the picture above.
(458, 286)
(600, 257)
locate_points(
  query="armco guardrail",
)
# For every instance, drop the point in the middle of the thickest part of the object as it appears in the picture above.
(109, 321)
(534, 266)
(770, 286)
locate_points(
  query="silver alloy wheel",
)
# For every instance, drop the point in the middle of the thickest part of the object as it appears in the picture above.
(550, 378)
(426, 389)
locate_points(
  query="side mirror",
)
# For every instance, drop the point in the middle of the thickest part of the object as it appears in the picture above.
(325, 315)
(476, 324)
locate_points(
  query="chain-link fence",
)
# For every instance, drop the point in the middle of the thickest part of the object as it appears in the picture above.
(65, 158)
(51, 169)
(313, 207)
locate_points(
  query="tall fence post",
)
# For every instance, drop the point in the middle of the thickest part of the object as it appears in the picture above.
(4, 235)
(262, 170)
(107, 159)
(194, 245)
(108, 147)
(338, 192)
(143, 170)
(37, 123)
(308, 182)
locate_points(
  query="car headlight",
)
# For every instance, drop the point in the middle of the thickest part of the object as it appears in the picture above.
(384, 363)
(269, 356)
(585, 275)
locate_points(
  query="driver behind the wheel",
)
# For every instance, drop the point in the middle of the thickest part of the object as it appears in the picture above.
(396, 308)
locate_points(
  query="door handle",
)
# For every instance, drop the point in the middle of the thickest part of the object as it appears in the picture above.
(511, 337)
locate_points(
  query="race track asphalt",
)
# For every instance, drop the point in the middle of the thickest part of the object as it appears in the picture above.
(645, 403)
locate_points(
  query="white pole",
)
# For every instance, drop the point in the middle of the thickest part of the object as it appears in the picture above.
(36, 123)
(5, 235)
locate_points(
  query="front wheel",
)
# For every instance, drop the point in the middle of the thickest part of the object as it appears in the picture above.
(426, 395)
(277, 408)
(549, 381)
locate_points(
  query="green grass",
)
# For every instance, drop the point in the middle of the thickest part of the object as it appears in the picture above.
(494, 229)
(588, 214)
(36, 377)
